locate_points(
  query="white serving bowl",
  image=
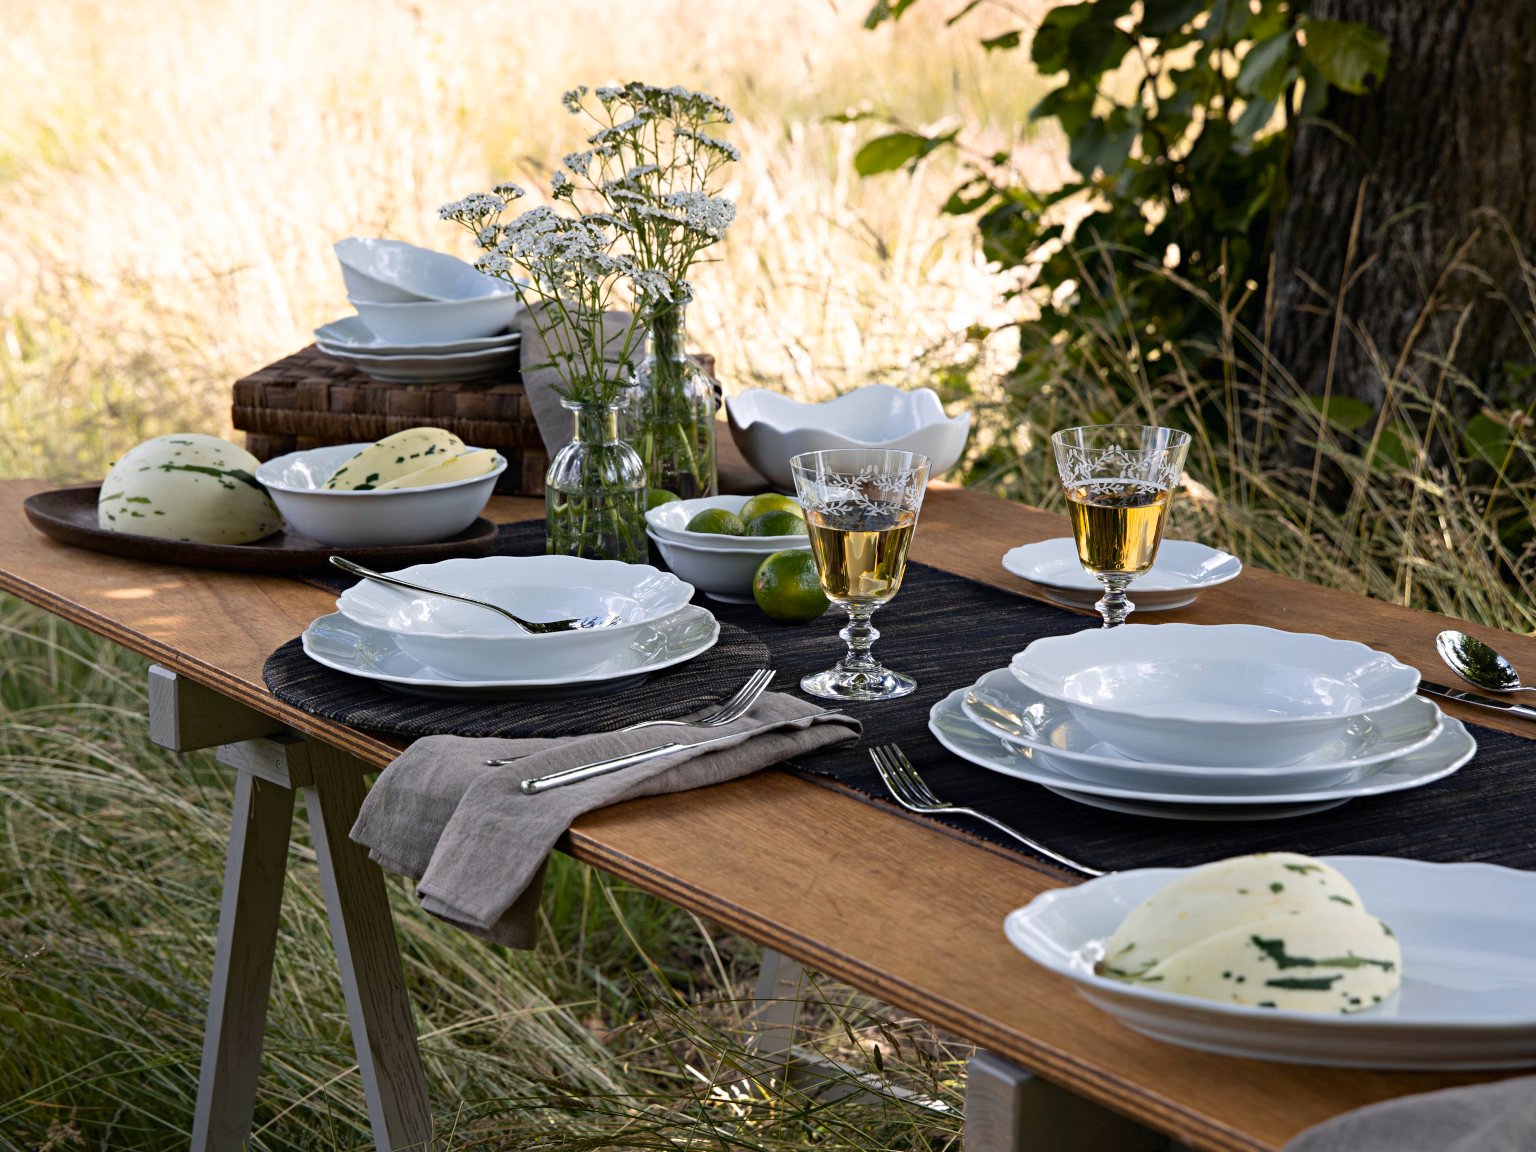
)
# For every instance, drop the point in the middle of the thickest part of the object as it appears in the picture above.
(421, 322)
(666, 522)
(393, 271)
(474, 643)
(770, 428)
(373, 519)
(721, 573)
(1236, 695)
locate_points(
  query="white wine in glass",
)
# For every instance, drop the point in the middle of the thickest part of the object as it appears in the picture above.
(861, 506)
(1119, 479)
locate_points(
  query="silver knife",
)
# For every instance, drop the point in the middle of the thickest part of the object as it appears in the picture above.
(1477, 701)
(614, 763)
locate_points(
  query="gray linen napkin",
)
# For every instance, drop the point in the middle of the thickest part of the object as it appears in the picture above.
(477, 845)
(1498, 1117)
(541, 373)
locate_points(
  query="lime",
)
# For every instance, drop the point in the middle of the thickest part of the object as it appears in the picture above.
(786, 587)
(769, 502)
(777, 524)
(656, 497)
(717, 521)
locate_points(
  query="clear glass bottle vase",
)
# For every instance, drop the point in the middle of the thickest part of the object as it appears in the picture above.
(671, 418)
(594, 491)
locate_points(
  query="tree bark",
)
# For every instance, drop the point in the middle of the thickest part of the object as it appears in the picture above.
(1425, 173)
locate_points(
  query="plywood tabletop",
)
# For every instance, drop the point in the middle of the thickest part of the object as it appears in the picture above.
(906, 910)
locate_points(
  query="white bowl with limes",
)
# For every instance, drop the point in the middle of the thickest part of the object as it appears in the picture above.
(721, 566)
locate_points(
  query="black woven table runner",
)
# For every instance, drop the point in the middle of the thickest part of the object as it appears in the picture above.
(947, 631)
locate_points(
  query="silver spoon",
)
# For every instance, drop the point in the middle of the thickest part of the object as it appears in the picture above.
(1478, 664)
(537, 627)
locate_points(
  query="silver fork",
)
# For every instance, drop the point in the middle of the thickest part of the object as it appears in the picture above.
(913, 794)
(537, 627)
(733, 709)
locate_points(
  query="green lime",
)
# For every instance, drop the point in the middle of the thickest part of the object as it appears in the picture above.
(717, 521)
(777, 524)
(656, 497)
(786, 587)
(770, 502)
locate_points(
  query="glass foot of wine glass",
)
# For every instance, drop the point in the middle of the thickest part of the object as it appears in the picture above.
(841, 683)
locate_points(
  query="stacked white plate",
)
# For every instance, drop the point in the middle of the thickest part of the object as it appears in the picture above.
(352, 340)
(1193, 722)
(437, 645)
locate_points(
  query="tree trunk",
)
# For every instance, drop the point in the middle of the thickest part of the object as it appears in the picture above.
(1437, 161)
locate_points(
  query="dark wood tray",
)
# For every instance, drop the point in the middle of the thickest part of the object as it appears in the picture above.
(69, 515)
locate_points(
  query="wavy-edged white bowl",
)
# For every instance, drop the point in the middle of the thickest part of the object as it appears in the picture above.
(392, 270)
(668, 522)
(374, 518)
(1238, 695)
(1468, 998)
(721, 573)
(770, 428)
(476, 644)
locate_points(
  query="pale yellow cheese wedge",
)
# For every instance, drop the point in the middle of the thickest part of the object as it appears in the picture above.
(1219, 896)
(395, 456)
(464, 466)
(1329, 959)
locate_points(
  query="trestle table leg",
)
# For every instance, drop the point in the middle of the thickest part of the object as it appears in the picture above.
(1009, 1110)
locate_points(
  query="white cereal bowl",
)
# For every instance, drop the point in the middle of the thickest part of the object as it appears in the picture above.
(386, 271)
(374, 519)
(721, 573)
(770, 428)
(1233, 695)
(666, 522)
(468, 642)
(416, 322)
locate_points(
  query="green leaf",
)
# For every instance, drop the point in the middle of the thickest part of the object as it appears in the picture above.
(1103, 144)
(1264, 68)
(1161, 17)
(1344, 412)
(1048, 50)
(1486, 439)
(1349, 56)
(890, 152)
(963, 199)
(1392, 447)
(963, 13)
(884, 10)
(1071, 104)
(1005, 41)
(1255, 116)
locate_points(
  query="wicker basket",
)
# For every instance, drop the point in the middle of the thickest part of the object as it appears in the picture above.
(309, 400)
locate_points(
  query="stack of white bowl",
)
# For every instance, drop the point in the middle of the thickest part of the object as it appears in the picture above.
(421, 315)
(1204, 722)
(720, 566)
(652, 623)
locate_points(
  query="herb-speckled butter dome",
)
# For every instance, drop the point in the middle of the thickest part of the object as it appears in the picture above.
(1275, 930)
(187, 486)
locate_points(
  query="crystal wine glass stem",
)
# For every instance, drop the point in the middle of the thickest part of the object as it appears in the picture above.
(1114, 607)
(860, 636)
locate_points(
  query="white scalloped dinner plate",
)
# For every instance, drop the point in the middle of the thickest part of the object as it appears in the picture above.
(947, 720)
(1183, 570)
(1468, 998)
(351, 334)
(358, 650)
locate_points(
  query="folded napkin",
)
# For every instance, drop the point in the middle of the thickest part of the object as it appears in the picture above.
(477, 845)
(1498, 1117)
(542, 374)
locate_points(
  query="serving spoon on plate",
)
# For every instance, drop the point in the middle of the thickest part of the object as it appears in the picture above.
(536, 627)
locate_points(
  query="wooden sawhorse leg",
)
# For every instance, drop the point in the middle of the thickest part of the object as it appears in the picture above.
(271, 765)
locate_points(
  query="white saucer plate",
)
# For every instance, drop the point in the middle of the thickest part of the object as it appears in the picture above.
(350, 334)
(1002, 705)
(1184, 569)
(1468, 998)
(947, 720)
(346, 646)
(449, 366)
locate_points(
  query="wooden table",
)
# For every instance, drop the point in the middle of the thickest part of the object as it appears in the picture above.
(837, 883)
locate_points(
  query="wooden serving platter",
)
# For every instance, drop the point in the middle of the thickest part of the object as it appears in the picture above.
(69, 516)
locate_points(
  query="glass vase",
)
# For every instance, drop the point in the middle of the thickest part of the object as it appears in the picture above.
(594, 491)
(671, 418)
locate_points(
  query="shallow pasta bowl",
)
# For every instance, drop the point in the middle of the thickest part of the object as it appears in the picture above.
(473, 643)
(770, 428)
(1237, 695)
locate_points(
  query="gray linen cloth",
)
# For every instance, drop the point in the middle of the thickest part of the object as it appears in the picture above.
(477, 845)
(541, 372)
(1498, 1117)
